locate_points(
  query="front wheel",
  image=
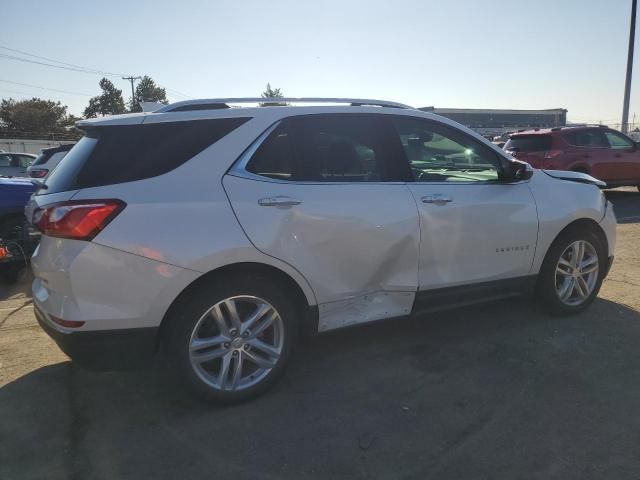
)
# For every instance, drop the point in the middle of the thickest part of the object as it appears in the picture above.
(230, 340)
(572, 271)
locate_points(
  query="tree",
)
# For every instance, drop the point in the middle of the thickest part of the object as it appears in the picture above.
(147, 91)
(272, 93)
(34, 115)
(109, 102)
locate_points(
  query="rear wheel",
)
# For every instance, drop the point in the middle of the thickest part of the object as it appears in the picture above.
(572, 271)
(230, 340)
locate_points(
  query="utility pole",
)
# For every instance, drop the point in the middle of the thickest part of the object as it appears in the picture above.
(133, 79)
(627, 84)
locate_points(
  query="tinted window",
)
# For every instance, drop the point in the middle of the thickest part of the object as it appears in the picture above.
(275, 157)
(5, 161)
(618, 141)
(529, 143)
(42, 158)
(438, 153)
(587, 138)
(342, 149)
(323, 148)
(118, 154)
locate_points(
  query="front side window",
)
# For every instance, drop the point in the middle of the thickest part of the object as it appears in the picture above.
(618, 141)
(438, 153)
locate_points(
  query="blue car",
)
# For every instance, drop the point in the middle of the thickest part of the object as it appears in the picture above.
(14, 195)
(16, 240)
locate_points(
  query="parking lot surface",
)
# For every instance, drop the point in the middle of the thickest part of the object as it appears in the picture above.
(497, 391)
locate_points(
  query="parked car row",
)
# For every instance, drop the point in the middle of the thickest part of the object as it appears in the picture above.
(13, 164)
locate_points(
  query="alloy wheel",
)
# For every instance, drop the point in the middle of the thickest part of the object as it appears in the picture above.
(236, 343)
(577, 273)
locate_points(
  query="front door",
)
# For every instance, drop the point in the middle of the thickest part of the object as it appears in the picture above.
(317, 195)
(474, 227)
(625, 157)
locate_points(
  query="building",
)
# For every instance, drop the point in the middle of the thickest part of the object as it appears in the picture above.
(497, 122)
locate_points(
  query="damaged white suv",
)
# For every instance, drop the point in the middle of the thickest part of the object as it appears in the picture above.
(218, 235)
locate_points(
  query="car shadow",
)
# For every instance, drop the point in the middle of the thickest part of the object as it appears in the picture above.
(20, 289)
(626, 204)
(499, 391)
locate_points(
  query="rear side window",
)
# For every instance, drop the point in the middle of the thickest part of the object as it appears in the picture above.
(275, 157)
(118, 154)
(342, 149)
(529, 143)
(587, 138)
(324, 148)
(42, 158)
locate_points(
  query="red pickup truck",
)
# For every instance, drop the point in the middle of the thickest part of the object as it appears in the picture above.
(601, 152)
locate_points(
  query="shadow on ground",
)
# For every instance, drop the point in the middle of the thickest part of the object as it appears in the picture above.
(494, 392)
(626, 204)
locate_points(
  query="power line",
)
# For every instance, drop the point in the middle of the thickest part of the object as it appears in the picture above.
(70, 67)
(63, 67)
(93, 70)
(46, 88)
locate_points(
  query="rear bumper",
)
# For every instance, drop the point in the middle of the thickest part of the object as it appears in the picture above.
(121, 349)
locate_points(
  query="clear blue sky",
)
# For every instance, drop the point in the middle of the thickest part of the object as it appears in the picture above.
(464, 53)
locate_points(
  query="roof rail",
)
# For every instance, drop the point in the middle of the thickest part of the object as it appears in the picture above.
(219, 103)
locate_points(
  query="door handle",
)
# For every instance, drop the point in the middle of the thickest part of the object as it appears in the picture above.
(279, 201)
(437, 199)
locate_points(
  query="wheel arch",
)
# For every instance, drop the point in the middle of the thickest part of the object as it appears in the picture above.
(583, 223)
(304, 300)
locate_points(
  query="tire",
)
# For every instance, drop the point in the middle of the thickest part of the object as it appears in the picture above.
(204, 315)
(553, 284)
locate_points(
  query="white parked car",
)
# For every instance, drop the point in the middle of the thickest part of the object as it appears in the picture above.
(218, 235)
(48, 159)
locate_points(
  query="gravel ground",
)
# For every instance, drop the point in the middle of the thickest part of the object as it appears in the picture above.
(498, 391)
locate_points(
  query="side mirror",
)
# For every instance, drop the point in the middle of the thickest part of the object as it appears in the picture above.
(520, 171)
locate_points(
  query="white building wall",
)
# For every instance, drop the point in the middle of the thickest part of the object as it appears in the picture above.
(29, 146)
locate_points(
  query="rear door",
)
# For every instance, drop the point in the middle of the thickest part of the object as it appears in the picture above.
(317, 193)
(475, 228)
(592, 153)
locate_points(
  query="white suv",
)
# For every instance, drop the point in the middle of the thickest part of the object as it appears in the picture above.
(218, 235)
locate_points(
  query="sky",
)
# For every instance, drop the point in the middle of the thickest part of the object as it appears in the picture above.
(444, 53)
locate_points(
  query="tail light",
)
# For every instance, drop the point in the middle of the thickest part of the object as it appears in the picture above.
(552, 154)
(38, 173)
(78, 220)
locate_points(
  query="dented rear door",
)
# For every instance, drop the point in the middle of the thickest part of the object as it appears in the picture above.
(317, 195)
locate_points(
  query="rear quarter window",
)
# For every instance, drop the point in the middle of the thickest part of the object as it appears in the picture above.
(529, 143)
(118, 154)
